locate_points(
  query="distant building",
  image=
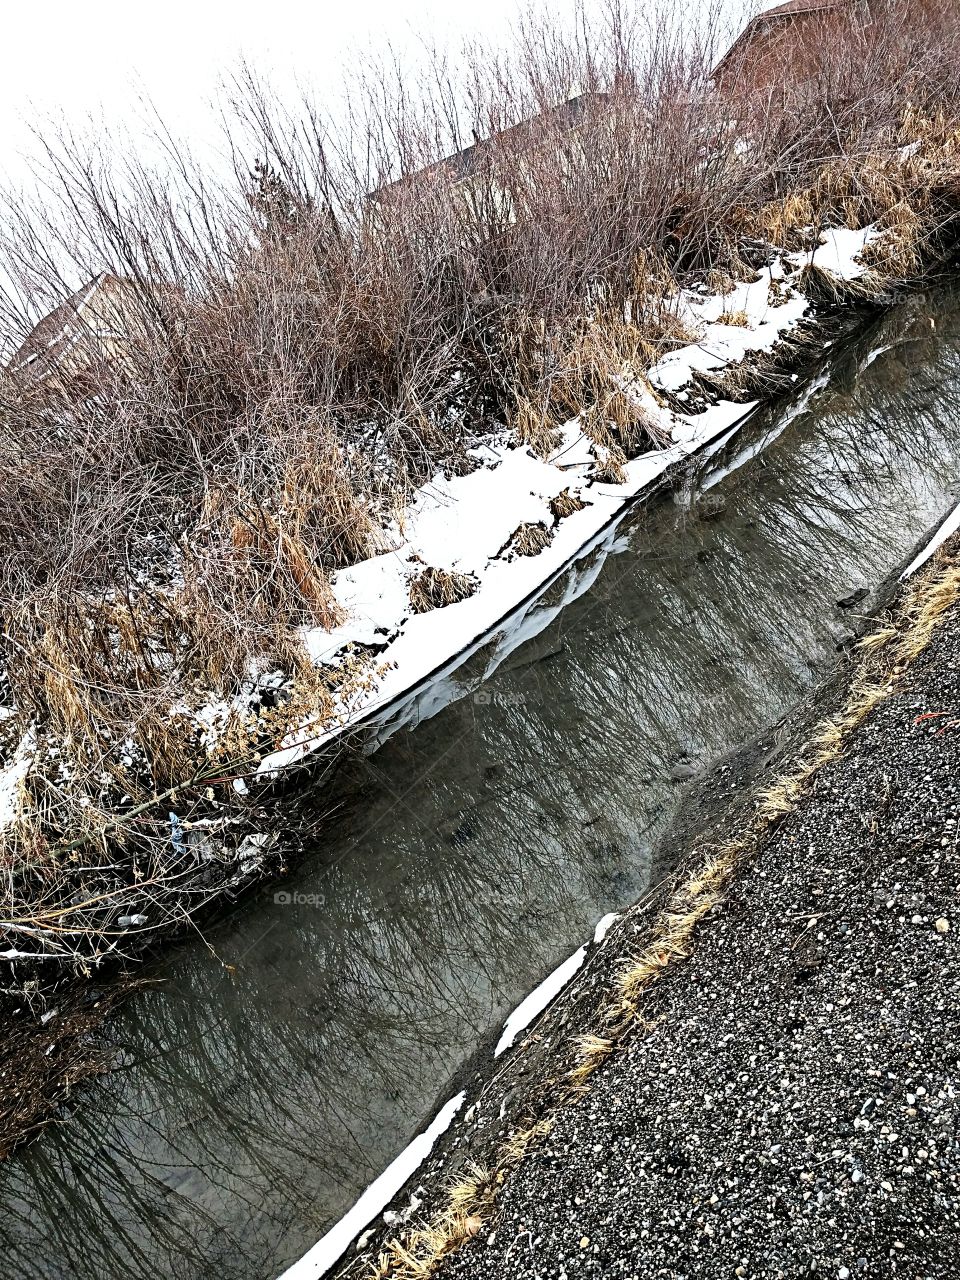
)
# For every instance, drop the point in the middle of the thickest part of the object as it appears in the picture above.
(470, 174)
(87, 326)
(785, 43)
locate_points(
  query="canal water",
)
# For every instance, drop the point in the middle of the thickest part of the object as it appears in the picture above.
(291, 1051)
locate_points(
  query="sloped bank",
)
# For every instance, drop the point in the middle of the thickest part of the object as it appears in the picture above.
(756, 1071)
(467, 552)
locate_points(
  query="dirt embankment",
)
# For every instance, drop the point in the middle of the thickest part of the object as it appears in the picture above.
(756, 1074)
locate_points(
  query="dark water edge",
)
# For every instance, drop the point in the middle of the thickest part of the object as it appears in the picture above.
(471, 853)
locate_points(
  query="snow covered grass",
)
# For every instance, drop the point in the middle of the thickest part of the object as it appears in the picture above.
(462, 525)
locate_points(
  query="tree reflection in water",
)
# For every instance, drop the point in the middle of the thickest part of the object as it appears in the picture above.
(250, 1105)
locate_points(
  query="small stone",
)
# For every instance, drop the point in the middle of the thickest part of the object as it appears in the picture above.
(843, 1273)
(942, 925)
(584, 1242)
(856, 1176)
(886, 1186)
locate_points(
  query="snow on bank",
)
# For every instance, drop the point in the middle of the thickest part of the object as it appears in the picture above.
(12, 778)
(731, 326)
(538, 999)
(946, 530)
(534, 1004)
(330, 1248)
(463, 524)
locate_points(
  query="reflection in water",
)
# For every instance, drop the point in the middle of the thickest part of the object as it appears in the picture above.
(253, 1102)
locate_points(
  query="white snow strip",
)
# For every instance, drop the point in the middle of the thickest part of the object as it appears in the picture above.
(538, 999)
(603, 926)
(331, 1247)
(12, 777)
(949, 526)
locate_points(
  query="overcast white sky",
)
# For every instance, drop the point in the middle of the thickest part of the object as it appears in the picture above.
(87, 62)
(95, 57)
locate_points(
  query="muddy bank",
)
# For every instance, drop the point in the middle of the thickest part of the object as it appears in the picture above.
(755, 1074)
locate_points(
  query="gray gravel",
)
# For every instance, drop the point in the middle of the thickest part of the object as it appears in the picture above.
(793, 1111)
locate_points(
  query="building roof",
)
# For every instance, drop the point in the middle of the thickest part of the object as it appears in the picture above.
(56, 332)
(771, 17)
(801, 6)
(462, 164)
(68, 325)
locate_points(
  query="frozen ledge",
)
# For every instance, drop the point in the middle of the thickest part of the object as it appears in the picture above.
(462, 524)
(330, 1248)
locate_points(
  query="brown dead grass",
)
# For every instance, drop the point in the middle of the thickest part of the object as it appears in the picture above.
(528, 540)
(566, 504)
(438, 588)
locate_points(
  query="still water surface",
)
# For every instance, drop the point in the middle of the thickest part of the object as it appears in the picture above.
(469, 854)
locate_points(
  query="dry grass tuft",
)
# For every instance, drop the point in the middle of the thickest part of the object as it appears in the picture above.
(721, 282)
(535, 428)
(528, 540)
(437, 588)
(610, 465)
(566, 504)
(738, 318)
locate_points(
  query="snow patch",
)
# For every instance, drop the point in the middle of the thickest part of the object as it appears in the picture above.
(604, 924)
(946, 529)
(538, 999)
(12, 778)
(330, 1248)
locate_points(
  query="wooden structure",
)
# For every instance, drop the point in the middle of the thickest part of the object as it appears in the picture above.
(784, 43)
(89, 325)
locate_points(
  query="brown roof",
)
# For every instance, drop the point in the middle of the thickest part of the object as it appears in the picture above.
(801, 6)
(462, 164)
(57, 331)
(789, 9)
